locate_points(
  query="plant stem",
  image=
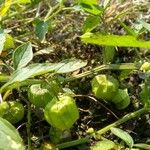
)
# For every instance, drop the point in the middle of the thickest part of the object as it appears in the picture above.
(28, 126)
(73, 143)
(51, 11)
(124, 119)
(19, 84)
(123, 66)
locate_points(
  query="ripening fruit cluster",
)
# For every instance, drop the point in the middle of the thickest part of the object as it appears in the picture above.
(106, 87)
(60, 112)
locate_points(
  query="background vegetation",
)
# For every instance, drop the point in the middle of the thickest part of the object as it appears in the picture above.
(74, 74)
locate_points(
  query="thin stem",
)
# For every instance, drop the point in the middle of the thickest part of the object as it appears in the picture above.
(6, 95)
(28, 126)
(19, 84)
(94, 99)
(123, 66)
(73, 143)
(51, 11)
(124, 119)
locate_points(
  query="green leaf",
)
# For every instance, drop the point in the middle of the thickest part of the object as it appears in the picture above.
(70, 65)
(65, 66)
(108, 54)
(104, 145)
(2, 40)
(9, 137)
(144, 24)
(124, 74)
(23, 1)
(90, 23)
(41, 29)
(22, 55)
(114, 40)
(123, 135)
(142, 146)
(4, 77)
(5, 7)
(91, 6)
(128, 29)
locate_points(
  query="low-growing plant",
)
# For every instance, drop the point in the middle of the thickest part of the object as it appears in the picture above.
(45, 86)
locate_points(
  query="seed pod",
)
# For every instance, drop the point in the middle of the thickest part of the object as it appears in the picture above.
(62, 113)
(121, 99)
(104, 87)
(39, 96)
(12, 111)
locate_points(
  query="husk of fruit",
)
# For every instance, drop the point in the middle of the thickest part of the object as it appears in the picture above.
(12, 111)
(121, 99)
(104, 87)
(39, 96)
(62, 113)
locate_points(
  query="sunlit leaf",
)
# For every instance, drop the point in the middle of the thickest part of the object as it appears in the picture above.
(23, 1)
(90, 23)
(123, 135)
(9, 137)
(114, 40)
(39, 69)
(2, 40)
(91, 6)
(145, 24)
(41, 29)
(142, 146)
(22, 55)
(5, 7)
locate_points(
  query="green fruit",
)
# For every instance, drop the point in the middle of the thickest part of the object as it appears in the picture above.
(104, 87)
(12, 111)
(39, 96)
(62, 113)
(121, 99)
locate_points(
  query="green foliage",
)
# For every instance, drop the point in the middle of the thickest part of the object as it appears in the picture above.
(41, 29)
(39, 69)
(124, 136)
(2, 40)
(114, 40)
(142, 146)
(108, 54)
(27, 69)
(10, 138)
(91, 7)
(90, 23)
(22, 56)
